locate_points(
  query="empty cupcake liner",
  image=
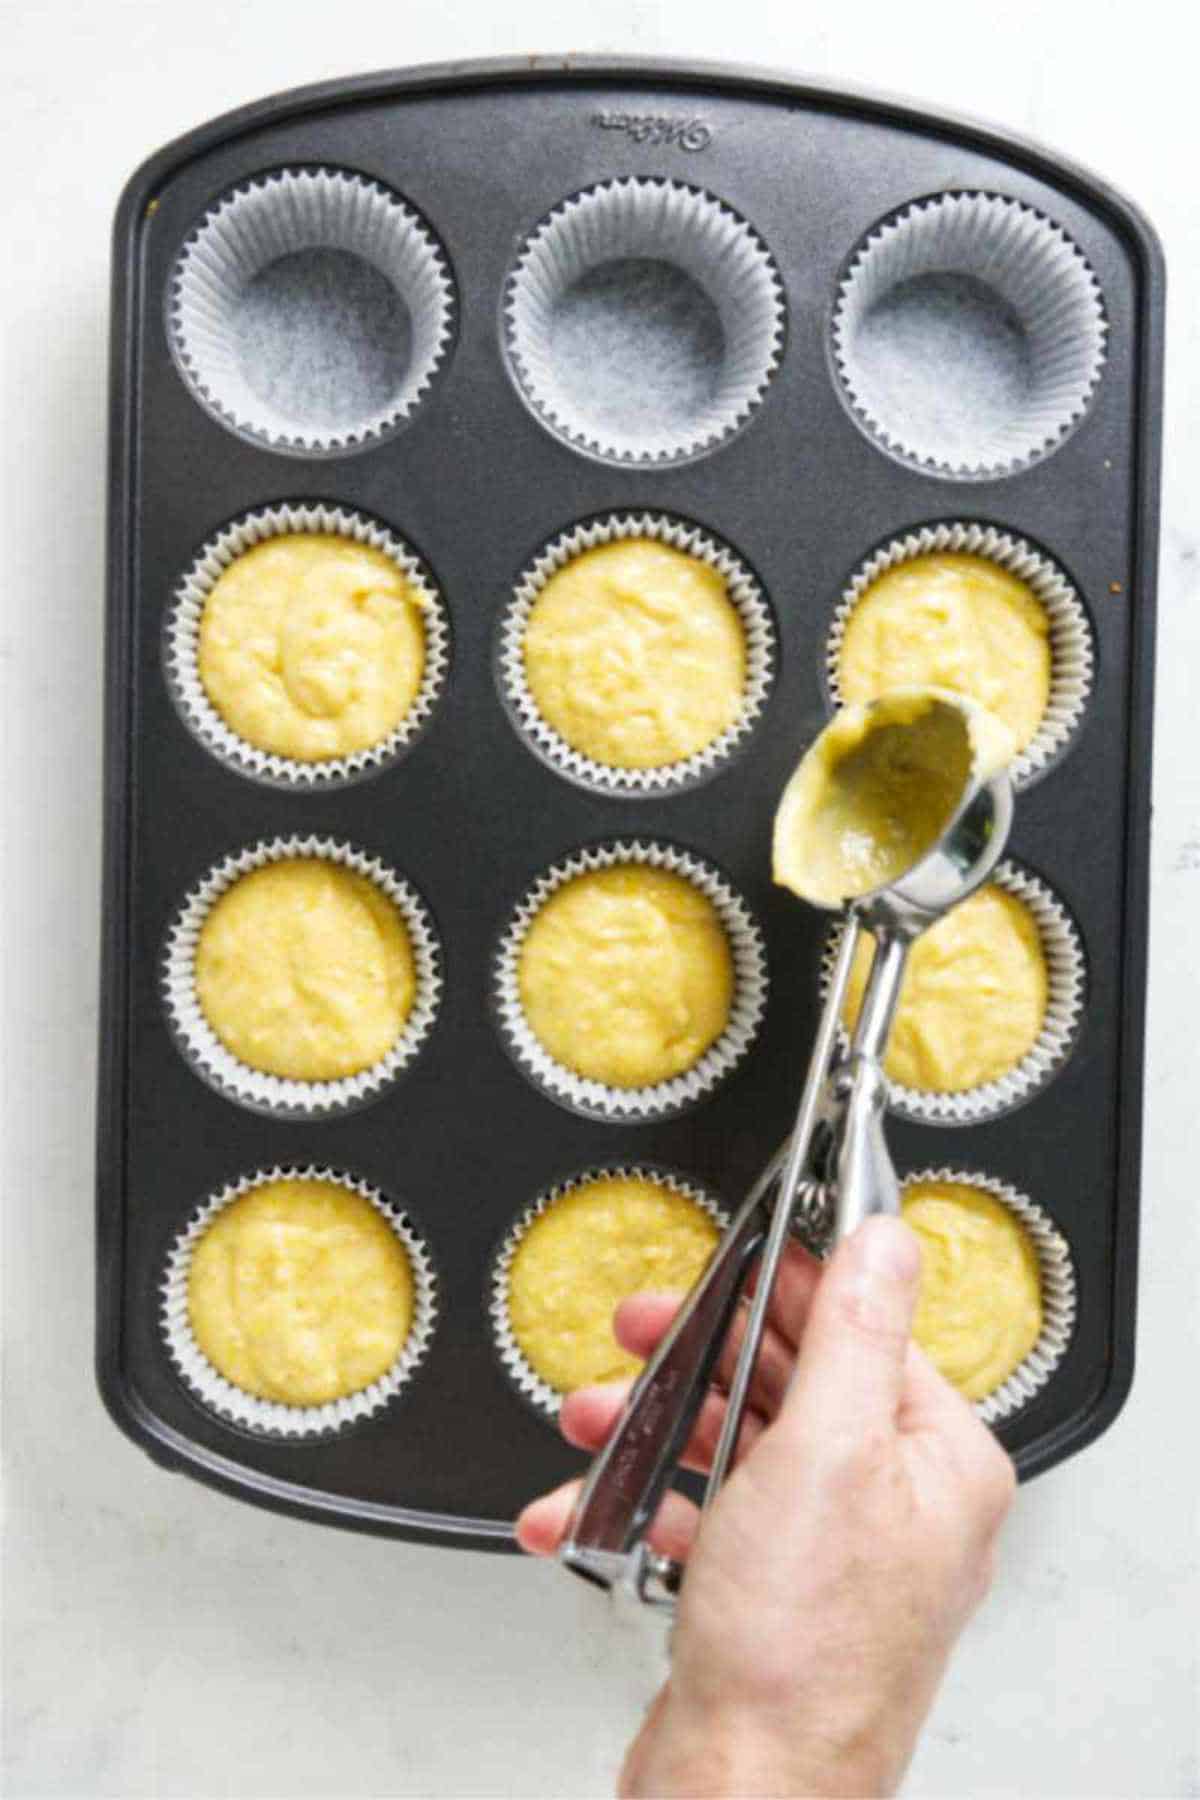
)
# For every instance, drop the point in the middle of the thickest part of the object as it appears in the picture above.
(1066, 971)
(1032, 270)
(285, 214)
(204, 1050)
(1072, 659)
(745, 595)
(273, 1416)
(181, 645)
(1058, 1292)
(529, 1384)
(666, 1098)
(645, 221)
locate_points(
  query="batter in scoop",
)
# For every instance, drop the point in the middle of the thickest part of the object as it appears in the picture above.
(877, 790)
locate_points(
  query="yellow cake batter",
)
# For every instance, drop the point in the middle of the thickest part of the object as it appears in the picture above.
(957, 621)
(312, 646)
(300, 1292)
(876, 791)
(304, 969)
(626, 975)
(591, 1249)
(973, 999)
(979, 1307)
(635, 655)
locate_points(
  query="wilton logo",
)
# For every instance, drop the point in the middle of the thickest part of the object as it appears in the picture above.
(650, 128)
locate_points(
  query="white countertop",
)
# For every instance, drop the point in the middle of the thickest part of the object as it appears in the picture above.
(162, 1640)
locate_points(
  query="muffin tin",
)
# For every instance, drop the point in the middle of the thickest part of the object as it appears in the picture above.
(515, 404)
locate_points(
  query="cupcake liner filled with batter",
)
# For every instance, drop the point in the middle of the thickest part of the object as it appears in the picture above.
(910, 614)
(668, 983)
(1039, 1004)
(666, 668)
(345, 664)
(622, 1249)
(969, 335)
(952, 1322)
(344, 1000)
(310, 310)
(644, 320)
(285, 1288)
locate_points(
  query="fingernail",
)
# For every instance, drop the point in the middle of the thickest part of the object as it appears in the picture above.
(889, 1250)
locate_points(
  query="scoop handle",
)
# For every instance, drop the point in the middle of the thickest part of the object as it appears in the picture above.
(626, 1482)
(795, 1172)
(865, 1178)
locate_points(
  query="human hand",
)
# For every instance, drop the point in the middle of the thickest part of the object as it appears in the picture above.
(850, 1544)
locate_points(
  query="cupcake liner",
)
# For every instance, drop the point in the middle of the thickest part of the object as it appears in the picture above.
(645, 221)
(1071, 648)
(274, 1416)
(182, 642)
(286, 214)
(1059, 1300)
(681, 1092)
(529, 1384)
(745, 595)
(943, 392)
(1066, 971)
(275, 1093)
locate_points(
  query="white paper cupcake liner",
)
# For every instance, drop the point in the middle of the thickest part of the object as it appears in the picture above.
(665, 1098)
(745, 595)
(273, 1416)
(274, 1093)
(1033, 272)
(1066, 971)
(285, 214)
(182, 643)
(1071, 649)
(529, 1384)
(644, 221)
(1058, 1292)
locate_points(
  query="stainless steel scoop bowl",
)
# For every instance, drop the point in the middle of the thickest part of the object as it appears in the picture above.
(845, 1143)
(971, 843)
(833, 1172)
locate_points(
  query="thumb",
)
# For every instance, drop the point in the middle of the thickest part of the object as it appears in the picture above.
(851, 1368)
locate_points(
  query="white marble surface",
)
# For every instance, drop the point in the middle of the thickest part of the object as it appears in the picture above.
(162, 1640)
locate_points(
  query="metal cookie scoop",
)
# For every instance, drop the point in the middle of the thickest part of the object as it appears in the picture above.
(946, 760)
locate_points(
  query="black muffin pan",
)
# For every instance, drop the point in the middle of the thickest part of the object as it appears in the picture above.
(476, 484)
